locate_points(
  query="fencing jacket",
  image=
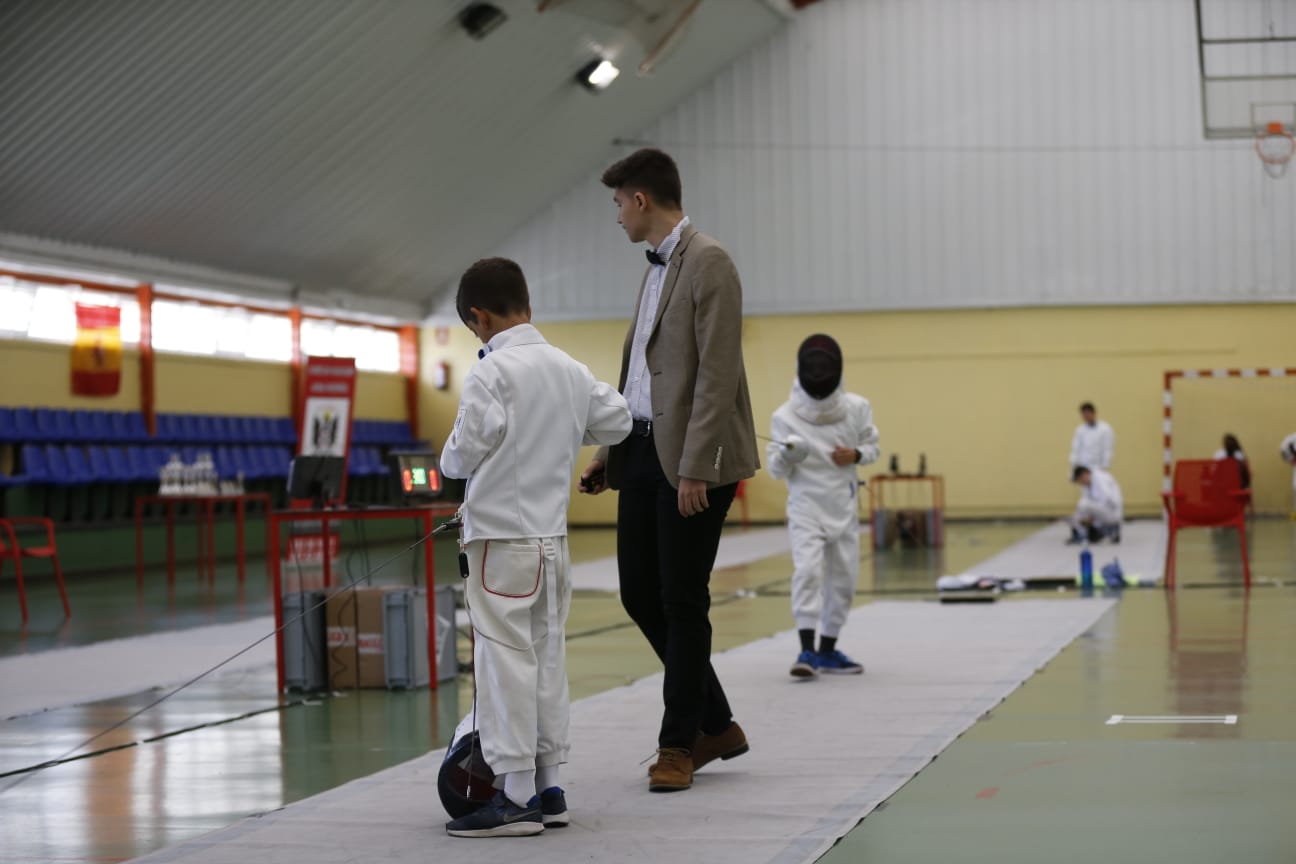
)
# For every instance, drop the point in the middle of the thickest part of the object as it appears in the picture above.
(820, 492)
(1092, 446)
(1104, 493)
(526, 409)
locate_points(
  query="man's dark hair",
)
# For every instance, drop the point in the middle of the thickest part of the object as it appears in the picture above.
(1079, 472)
(494, 284)
(649, 171)
(1088, 406)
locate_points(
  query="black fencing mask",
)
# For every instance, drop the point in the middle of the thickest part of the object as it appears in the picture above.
(819, 366)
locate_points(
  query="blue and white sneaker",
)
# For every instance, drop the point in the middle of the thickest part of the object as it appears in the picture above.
(837, 663)
(553, 808)
(806, 666)
(500, 818)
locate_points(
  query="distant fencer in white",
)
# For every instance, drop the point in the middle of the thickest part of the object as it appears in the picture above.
(821, 434)
(1094, 442)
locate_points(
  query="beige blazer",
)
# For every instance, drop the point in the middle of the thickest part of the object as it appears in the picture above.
(702, 416)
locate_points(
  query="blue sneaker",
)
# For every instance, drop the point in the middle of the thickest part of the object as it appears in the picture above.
(837, 663)
(553, 808)
(500, 818)
(806, 666)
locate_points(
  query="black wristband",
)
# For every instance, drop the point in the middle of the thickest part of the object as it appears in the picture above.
(858, 456)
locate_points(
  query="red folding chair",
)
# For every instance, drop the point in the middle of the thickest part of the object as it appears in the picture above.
(1207, 494)
(11, 548)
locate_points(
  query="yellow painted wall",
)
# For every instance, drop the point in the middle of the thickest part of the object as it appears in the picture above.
(37, 373)
(991, 396)
(40, 373)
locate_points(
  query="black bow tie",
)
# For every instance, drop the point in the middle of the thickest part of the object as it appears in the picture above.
(654, 258)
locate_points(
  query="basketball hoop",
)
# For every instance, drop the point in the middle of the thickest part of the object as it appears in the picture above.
(1275, 146)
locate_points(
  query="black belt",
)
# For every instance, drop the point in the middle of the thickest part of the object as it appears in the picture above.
(641, 428)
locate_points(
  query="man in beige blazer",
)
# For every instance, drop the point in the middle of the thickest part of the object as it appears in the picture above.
(693, 441)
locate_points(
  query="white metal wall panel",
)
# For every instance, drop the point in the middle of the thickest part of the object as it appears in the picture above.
(902, 154)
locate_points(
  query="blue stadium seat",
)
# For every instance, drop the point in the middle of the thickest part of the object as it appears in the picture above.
(277, 460)
(224, 427)
(204, 430)
(256, 467)
(92, 427)
(240, 430)
(8, 434)
(59, 474)
(189, 433)
(35, 468)
(286, 432)
(101, 468)
(137, 428)
(118, 467)
(79, 468)
(141, 464)
(167, 428)
(25, 431)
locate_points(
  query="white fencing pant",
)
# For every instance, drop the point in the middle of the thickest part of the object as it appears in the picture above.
(825, 571)
(518, 594)
(1095, 513)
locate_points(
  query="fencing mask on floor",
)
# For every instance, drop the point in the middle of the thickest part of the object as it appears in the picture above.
(465, 782)
(819, 365)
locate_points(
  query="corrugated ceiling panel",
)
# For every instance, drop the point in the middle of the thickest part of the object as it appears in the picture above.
(363, 145)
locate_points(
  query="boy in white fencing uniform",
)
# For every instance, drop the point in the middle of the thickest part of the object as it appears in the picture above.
(526, 409)
(820, 435)
(1100, 509)
(1093, 443)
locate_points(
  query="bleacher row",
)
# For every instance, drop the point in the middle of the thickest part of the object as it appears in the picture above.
(62, 447)
(62, 426)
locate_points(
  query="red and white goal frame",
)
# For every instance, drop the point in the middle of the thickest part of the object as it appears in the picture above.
(1167, 399)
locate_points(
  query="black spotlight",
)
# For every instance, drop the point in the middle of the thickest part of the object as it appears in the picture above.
(481, 19)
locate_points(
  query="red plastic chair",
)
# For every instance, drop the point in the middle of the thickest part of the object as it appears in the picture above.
(11, 548)
(1207, 494)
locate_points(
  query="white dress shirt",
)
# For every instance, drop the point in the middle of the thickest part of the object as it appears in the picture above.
(638, 387)
(526, 409)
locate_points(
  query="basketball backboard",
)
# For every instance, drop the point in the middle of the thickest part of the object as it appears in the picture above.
(1247, 51)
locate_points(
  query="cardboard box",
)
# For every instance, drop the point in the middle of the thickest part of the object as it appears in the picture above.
(354, 619)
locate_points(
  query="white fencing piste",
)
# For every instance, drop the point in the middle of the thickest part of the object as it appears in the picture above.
(824, 754)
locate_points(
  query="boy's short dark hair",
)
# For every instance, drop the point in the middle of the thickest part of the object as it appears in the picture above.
(1079, 472)
(649, 171)
(1088, 406)
(494, 284)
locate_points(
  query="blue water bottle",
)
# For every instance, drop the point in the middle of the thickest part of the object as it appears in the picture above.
(1086, 570)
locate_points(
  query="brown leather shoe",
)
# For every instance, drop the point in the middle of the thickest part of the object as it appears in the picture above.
(728, 744)
(673, 771)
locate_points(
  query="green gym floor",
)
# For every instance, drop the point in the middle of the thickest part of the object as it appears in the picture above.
(1041, 778)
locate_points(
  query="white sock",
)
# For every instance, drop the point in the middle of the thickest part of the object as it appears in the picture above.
(519, 786)
(546, 777)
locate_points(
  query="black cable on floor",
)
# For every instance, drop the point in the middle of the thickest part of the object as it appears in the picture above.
(164, 697)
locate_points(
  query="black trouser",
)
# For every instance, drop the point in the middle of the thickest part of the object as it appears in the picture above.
(665, 563)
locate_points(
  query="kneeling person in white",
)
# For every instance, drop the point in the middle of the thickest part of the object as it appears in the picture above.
(820, 435)
(526, 409)
(1100, 510)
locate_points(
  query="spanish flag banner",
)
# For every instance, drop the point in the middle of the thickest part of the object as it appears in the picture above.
(97, 353)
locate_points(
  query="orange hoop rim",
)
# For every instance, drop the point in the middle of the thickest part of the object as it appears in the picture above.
(1275, 130)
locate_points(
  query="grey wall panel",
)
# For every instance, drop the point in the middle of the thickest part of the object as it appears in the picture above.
(880, 154)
